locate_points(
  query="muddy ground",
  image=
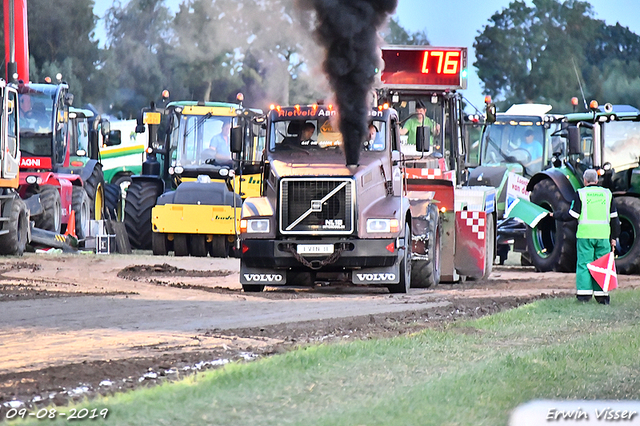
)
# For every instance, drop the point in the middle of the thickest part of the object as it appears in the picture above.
(73, 326)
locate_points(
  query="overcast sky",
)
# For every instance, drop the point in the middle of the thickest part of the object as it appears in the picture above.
(458, 22)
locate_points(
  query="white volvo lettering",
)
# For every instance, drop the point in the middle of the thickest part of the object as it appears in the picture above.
(269, 278)
(376, 277)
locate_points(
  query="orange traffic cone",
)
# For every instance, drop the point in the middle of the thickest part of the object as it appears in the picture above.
(71, 226)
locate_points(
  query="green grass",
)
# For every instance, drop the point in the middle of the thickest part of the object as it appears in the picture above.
(469, 373)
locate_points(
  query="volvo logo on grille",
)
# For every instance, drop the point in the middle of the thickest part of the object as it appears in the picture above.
(316, 205)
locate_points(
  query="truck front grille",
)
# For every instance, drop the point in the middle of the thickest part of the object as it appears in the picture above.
(316, 206)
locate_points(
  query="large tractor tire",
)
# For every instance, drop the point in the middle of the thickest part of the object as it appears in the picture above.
(94, 186)
(51, 218)
(81, 204)
(551, 244)
(112, 202)
(141, 198)
(15, 241)
(628, 245)
(426, 273)
(405, 265)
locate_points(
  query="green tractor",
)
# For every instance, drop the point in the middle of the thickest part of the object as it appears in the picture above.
(514, 146)
(607, 140)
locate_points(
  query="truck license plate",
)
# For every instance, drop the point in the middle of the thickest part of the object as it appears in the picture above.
(315, 248)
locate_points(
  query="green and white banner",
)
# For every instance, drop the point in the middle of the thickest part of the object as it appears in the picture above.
(526, 211)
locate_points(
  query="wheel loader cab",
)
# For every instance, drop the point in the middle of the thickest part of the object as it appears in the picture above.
(43, 122)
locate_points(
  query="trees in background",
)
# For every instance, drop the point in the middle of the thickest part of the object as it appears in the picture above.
(540, 53)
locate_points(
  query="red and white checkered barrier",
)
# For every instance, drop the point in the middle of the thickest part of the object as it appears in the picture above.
(475, 221)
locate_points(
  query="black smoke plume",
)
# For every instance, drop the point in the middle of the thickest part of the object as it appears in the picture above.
(347, 29)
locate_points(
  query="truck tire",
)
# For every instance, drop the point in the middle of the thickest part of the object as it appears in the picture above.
(159, 244)
(426, 273)
(81, 204)
(51, 218)
(94, 186)
(551, 245)
(628, 246)
(303, 279)
(252, 288)
(180, 245)
(112, 202)
(141, 198)
(405, 266)
(15, 241)
(197, 245)
(489, 246)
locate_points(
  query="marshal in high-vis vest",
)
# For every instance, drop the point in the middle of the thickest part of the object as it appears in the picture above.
(598, 226)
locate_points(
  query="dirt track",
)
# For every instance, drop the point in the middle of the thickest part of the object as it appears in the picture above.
(74, 325)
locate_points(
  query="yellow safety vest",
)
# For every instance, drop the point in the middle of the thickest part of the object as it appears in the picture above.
(594, 217)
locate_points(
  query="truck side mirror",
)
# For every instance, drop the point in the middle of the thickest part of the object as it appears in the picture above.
(423, 138)
(105, 127)
(236, 140)
(266, 171)
(574, 139)
(94, 149)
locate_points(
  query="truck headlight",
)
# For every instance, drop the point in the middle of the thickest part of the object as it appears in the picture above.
(382, 225)
(254, 226)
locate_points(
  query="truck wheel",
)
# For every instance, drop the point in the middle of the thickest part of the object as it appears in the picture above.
(489, 246)
(159, 244)
(15, 241)
(51, 218)
(140, 200)
(426, 273)
(180, 245)
(218, 246)
(252, 288)
(81, 205)
(404, 267)
(303, 279)
(551, 245)
(112, 202)
(94, 186)
(627, 245)
(198, 245)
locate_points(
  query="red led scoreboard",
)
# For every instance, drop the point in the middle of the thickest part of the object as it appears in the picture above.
(419, 66)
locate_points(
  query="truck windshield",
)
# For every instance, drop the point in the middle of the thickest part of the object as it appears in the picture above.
(318, 136)
(514, 142)
(36, 123)
(622, 144)
(203, 139)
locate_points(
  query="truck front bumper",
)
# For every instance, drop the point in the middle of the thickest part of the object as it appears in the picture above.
(353, 254)
(372, 261)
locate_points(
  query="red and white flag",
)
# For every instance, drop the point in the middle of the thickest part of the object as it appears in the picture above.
(603, 270)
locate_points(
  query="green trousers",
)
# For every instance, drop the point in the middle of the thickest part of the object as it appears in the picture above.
(589, 249)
